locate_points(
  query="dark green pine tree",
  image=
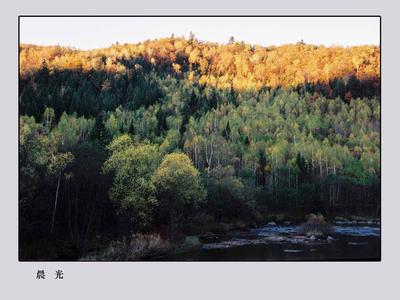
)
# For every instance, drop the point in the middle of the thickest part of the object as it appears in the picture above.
(193, 104)
(338, 87)
(161, 122)
(100, 133)
(185, 121)
(262, 163)
(227, 132)
(132, 129)
(213, 101)
(304, 168)
(353, 85)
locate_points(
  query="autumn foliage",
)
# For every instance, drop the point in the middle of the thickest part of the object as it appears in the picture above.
(237, 65)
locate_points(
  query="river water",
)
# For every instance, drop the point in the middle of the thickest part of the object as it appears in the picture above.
(283, 243)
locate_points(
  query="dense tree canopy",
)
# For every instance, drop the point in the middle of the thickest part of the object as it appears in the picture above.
(88, 82)
(132, 137)
(133, 191)
(178, 184)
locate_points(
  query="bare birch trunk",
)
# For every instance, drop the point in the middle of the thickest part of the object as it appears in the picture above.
(55, 204)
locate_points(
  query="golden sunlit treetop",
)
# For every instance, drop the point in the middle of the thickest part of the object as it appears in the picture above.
(236, 65)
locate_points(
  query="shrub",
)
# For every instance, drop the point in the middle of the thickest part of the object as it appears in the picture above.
(191, 242)
(316, 226)
(138, 247)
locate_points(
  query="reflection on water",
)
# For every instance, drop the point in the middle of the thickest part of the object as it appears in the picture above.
(282, 242)
(275, 230)
(357, 230)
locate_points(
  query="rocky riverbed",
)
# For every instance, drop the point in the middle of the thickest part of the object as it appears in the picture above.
(347, 241)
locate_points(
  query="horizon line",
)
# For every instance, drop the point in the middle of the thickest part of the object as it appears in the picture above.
(118, 43)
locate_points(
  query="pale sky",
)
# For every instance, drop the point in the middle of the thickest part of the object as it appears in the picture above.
(95, 32)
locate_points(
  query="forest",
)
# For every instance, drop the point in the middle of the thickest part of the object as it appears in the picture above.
(177, 137)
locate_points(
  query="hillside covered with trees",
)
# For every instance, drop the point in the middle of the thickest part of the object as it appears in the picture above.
(178, 136)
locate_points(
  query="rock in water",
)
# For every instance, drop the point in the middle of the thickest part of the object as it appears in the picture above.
(292, 251)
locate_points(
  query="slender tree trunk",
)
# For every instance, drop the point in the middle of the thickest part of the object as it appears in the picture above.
(195, 156)
(70, 212)
(209, 157)
(337, 194)
(55, 204)
(276, 187)
(89, 223)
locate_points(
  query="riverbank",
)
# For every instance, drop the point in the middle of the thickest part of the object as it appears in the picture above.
(278, 242)
(277, 229)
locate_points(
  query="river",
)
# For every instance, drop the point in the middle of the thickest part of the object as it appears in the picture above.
(347, 242)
